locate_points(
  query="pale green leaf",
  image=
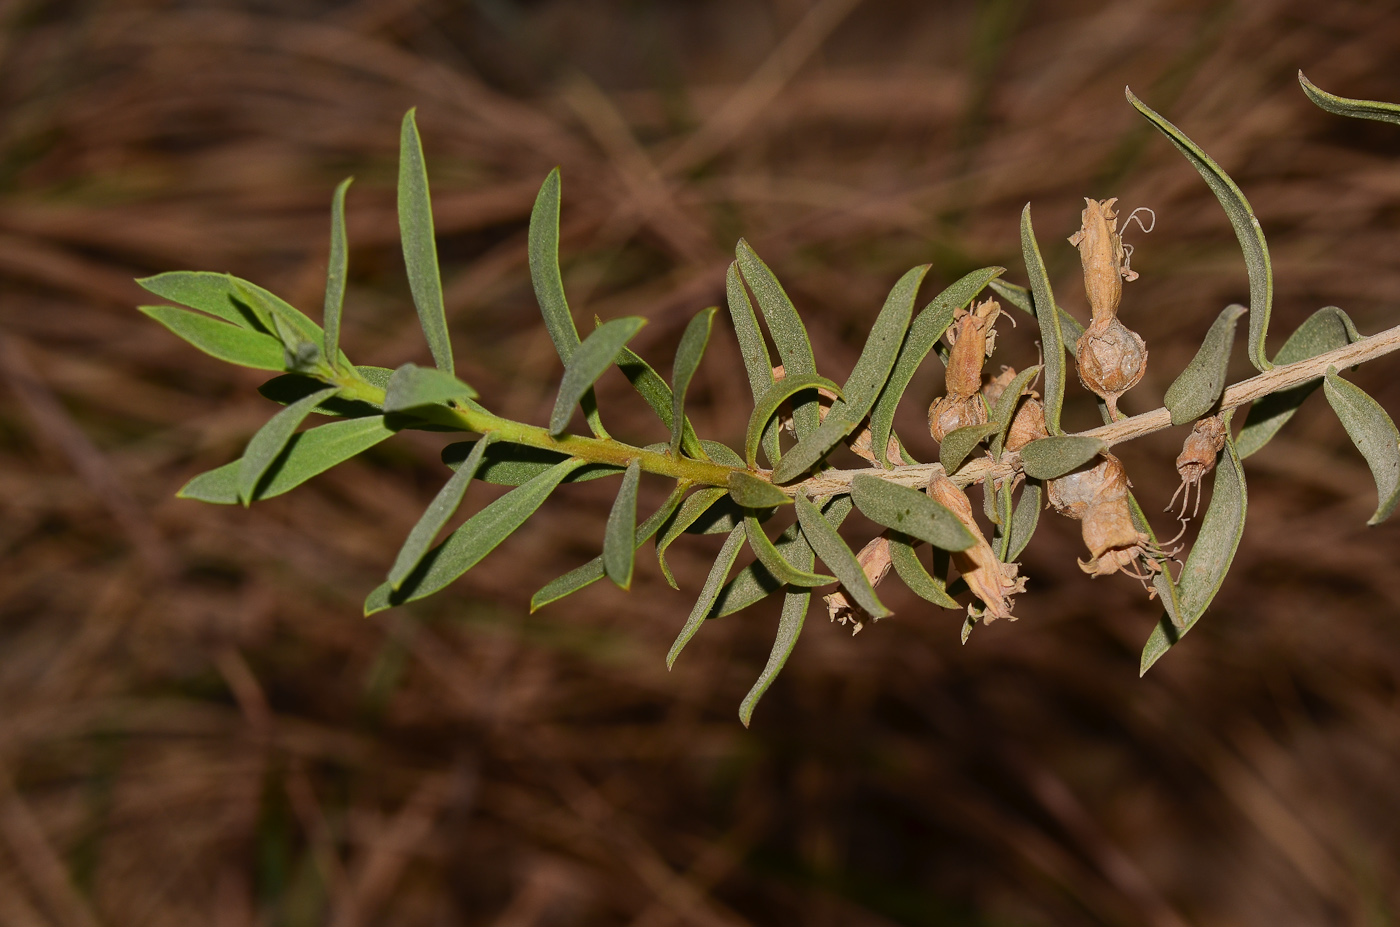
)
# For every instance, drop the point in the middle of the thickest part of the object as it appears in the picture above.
(789, 334)
(1346, 106)
(790, 622)
(473, 540)
(1047, 315)
(908, 511)
(594, 356)
(307, 454)
(618, 547)
(516, 464)
(753, 492)
(227, 342)
(1374, 435)
(413, 387)
(1024, 520)
(754, 582)
(1197, 390)
(688, 355)
(767, 406)
(928, 326)
(911, 570)
(1247, 229)
(838, 557)
(443, 507)
(336, 268)
(419, 246)
(271, 440)
(708, 592)
(754, 350)
(218, 295)
(777, 565)
(959, 442)
(1053, 457)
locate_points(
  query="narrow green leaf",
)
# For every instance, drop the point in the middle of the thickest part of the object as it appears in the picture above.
(1023, 521)
(863, 386)
(767, 406)
(1197, 390)
(516, 464)
(1047, 314)
(928, 326)
(789, 334)
(419, 246)
(908, 511)
(618, 547)
(217, 294)
(307, 454)
(1020, 297)
(752, 492)
(691, 509)
(722, 454)
(473, 540)
(727, 554)
(911, 570)
(1053, 457)
(773, 560)
(688, 354)
(1374, 435)
(757, 362)
(413, 387)
(1210, 558)
(754, 583)
(336, 268)
(220, 339)
(1247, 230)
(593, 570)
(1005, 409)
(839, 558)
(271, 440)
(1325, 330)
(443, 507)
(657, 393)
(959, 442)
(594, 356)
(790, 622)
(1346, 106)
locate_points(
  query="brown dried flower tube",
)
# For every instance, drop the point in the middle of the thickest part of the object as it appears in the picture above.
(990, 580)
(875, 560)
(972, 336)
(1098, 498)
(1198, 454)
(1110, 356)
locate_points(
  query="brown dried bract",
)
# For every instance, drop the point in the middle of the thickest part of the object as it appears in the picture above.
(991, 581)
(1198, 455)
(875, 561)
(1098, 498)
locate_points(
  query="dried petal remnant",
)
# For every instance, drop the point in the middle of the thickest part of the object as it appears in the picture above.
(1198, 454)
(990, 580)
(1101, 254)
(1098, 497)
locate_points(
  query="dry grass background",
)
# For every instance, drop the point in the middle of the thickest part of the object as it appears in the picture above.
(196, 726)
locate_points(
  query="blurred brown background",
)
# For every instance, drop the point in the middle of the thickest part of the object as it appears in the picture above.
(197, 726)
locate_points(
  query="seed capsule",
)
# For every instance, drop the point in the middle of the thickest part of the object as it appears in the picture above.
(1098, 498)
(949, 413)
(990, 580)
(1111, 359)
(1198, 454)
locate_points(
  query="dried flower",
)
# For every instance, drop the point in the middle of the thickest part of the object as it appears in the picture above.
(1198, 454)
(972, 336)
(1101, 254)
(990, 580)
(949, 413)
(1111, 357)
(1098, 497)
(875, 560)
(1027, 425)
(997, 385)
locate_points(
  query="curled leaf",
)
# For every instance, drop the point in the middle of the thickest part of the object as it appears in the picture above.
(1374, 435)
(790, 621)
(690, 510)
(1346, 106)
(767, 406)
(776, 564)
(789, 334)
(1199, 386)
(688, 354)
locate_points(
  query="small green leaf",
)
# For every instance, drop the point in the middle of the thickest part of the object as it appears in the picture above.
(1197, 390)
(1020, 297)
(908, 511)
(790, 623)
(1005, 409)
(217, 294)
(911, 571)
(1023, 521)
(1047, 314)
(336, 268)
(443, 507)
(516, 464)
(477, 537)
(722, 454)
(1247, 230)
(220, 339)
(959, 442)
(773, 560)
(1210, 558)
(1053, 457)
(688, 354)
(708, 592)
(413, 387)
(593, 570)
(419, 246)
(289, 387)
(753, 492)
(789, 334)
(757, 362)
(594, 356)
(657, 393)
(308, 453)
(1346, 106)
(618, 547)
(754, 583)
(1374, 435)
(1325, 330)
(691, 509)
(928, 326)
(863, 386)
(767, 406)
(839, 558)
(271, 440)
